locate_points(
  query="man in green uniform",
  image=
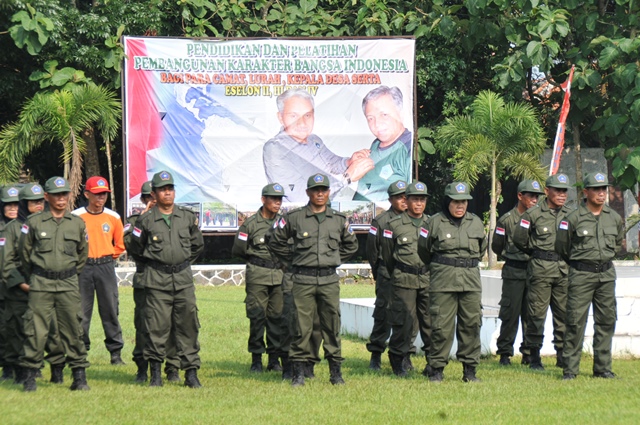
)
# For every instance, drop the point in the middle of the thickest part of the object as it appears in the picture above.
(263, 281)
(536, 236)
(322, 240)
(513, 305)
(588, 240)
(172, 362)
(409, 277)
(384, 290)
(167, 240)
(53, 250)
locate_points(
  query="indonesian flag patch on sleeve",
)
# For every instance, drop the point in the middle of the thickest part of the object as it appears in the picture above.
(524, 223)
(136, 232)
(24, 229)
(499, 231)
(282, 223)
(2, 241)
(127, 227)
(373, 230)
(564, 225)
(242, 236)
(387, 233)
(424, 232)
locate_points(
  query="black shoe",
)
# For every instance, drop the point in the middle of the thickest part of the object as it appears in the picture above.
(298, 369)
(309, 370)
(256, 363)
(568, 376)
(536, 361)
(436, 374)
(376, 361)
(406, 362)
(172, 373)
(7, 373)
(29, 384)
(38, 374)
(274, 363)
(116, 359)
(526, 359)
(398, 365)
(469, 373)
(156, 374)
(427, 370)
(605, 375)
(20, 375)
(79, 380)
(335, 373)
(57, 375)
(191, 378)
(559, 358)
(505, 360)
(141, 374)
(287, 372)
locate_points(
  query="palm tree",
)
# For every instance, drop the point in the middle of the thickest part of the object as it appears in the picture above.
(495, 139)
(62, 116)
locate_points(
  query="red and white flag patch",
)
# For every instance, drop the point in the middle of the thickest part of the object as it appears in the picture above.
(24, 229)
(2, 241)
(373, 230)
(524, 223)
(564, 225)
(282, 223)
(137, 232)
(243, 236)
(500, 231)
(424, 232)
(387, 233)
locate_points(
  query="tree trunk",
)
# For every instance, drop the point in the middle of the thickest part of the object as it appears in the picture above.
(576, 144)
(492, 214)
(91, 159)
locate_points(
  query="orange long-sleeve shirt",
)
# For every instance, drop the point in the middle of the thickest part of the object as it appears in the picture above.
(105, 230)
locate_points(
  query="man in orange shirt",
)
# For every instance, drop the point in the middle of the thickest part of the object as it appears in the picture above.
(106, 243)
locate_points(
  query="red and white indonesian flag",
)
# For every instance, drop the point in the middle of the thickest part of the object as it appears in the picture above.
(558, 144)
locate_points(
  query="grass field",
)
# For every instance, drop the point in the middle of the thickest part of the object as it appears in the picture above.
(231, 395)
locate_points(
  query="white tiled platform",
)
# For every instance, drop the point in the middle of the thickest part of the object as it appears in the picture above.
(357, 320)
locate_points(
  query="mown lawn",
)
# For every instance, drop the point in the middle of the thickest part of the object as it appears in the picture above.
(231, 395)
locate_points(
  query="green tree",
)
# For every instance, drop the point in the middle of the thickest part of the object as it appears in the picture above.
(495, 139)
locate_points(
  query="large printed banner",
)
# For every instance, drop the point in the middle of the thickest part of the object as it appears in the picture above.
(226, 117)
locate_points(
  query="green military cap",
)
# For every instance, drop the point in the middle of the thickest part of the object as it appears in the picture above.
(57, 185)
(31, 192)
(596, 180)
(416, 188)
(458, 191)
(318, 180)
(146, 188)
(163, 178)
(273, 189)
(397, 188)
(559, 181)
(9, 194)
(530, 186)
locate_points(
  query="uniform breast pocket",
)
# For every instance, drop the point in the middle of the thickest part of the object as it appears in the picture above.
(586, 237)
(334, 241)
(45, 243)
(610, 235)
(476, 236)
(185, 238)
(71, 242)
(447, 240)
(406, 245)
(304, 243)
(156, 242)
(258, 242)
(544, 232)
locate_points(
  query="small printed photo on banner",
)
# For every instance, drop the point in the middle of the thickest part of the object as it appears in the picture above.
(194, 207)
(218, 215)
(359, 214)
(137, 208)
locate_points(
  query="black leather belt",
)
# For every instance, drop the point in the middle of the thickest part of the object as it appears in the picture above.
(168, 268)
(411, 269)
(315, 271)
(64, 274)
(589, 267)
(261, 262)
(545, 255)
(456, 262)
(140, 267)
(516, 264)
(101, 260)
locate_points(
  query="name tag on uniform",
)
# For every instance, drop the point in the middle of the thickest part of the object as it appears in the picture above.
(524, 223)
(499, 231)
(24, 229)
(387, 234)
(243, 236)
(137, 232)
(373, 231)
(424, 232)
(564, 225)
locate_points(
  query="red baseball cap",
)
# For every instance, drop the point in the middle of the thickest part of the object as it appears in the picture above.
(97, 184)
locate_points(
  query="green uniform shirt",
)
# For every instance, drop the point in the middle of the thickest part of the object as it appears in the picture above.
(128, 229)
(502, 244)
(3, 239)
(153, 240)
(54, 246)
(400, 245)
(589, 239)
(374, 239)
(315, 244)
(537, 231)
(11, 268)
(444, 238)
(250, 242)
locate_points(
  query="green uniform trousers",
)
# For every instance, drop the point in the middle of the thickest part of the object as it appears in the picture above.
(290, 321)
(139, 300)
(582, 294)
(264, 305)
(513, 311)
(409, 314)
(167, 309)
(322, 301)
(381, 326)
(542, 293)
(446, 309)
(3, 332)
(63, 308)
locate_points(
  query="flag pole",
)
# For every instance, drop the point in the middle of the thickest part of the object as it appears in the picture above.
(558, 144)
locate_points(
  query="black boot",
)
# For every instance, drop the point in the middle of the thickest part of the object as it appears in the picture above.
(172, 373)
(309, 370)
(397, 365)
(427, 370)
(141, 374)
(256, 363)
(191, 378)
(436, 374)
(29, 380)
(7, 373)
(335, 372)
(79, 380)
(559, 358)
(376, 360)
(38, 373)
(20, 375)
(536, 361)
(298, 369)
(505, 360)
(287, 373)
(116, 359)
(274, 363)
(526, 359)
(57, 375)
(156, 373)
(406, 362)
(469, 373)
